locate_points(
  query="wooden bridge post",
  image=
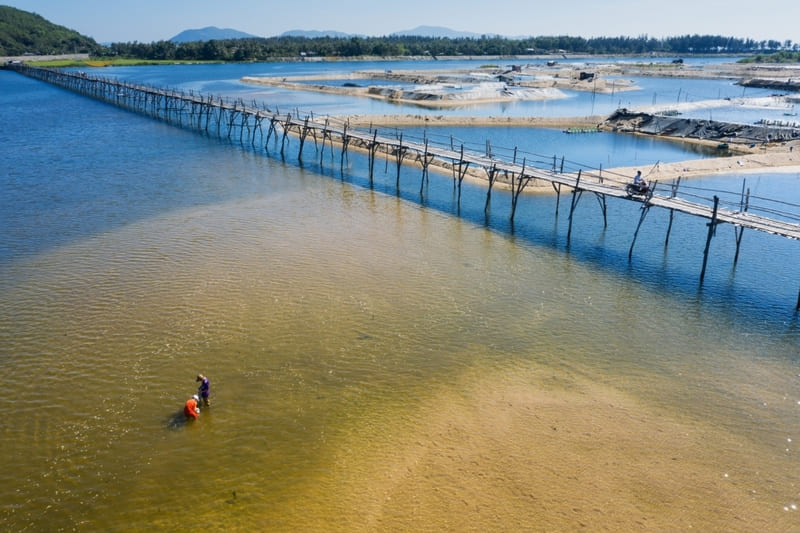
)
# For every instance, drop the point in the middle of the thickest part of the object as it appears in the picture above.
(645, 209)
(601, 199)
(324, 135)
(272, 120)
(673, 194)
(492, 173)
(739, 232)
(711, 230)
(345, 142)
(575, 197)
(259, 120)
(399, 155)
(219, 110)
(371, 149)
(303, 133)
(425, 162)
(463, 167)
(244, 121)
(208, 106)
(557, 189)
(232, 119)
(314, 132)
(522, 182)
(285, 131)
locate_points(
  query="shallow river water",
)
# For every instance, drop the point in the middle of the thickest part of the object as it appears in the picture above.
(376, 363)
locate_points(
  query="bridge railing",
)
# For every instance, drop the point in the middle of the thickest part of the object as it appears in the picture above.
(119, 92)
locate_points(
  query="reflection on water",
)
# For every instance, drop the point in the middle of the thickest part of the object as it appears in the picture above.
(375, 364)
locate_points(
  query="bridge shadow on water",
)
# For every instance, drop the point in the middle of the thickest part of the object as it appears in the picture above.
(669, 263)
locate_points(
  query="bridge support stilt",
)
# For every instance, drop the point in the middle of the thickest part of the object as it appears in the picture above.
(399, 155)
(675, 186)
(345, 142)
(669, 226)
(462, 172)
(285, 132)
(373, 146)
(303, 133)
(601, 199)
(576, 196)
(492, 174)
(557, 188)
(426, 161)
(745, 205)
(739, 232)
(645, 210)
(516, 188)
(712, 226)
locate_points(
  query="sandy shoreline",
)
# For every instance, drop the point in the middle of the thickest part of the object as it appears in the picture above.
(748, 157)
(774, 158)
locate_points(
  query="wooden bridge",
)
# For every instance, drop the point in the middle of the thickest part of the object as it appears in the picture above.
(245, 123)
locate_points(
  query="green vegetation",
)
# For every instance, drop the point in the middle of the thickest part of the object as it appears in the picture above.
(783, 56)
(27, 33)
(275, 48)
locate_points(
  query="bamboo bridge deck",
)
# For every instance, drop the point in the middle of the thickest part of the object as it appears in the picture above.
(229, 119)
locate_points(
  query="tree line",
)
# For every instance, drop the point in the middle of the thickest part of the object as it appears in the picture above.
(22, 32)
(273, 48)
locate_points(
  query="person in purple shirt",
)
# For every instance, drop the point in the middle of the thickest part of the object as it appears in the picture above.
(203, 390)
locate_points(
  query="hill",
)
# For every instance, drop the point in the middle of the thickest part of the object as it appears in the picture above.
(210, 33)
(22, 33)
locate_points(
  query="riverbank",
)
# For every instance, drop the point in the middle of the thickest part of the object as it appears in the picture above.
(742, 148)
(455, 87)
(738, 159)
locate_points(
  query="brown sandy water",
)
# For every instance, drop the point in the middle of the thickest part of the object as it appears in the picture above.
(376, 366)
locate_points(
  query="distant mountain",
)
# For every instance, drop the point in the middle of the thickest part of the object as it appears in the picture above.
(210, 33)
(419, 31)
(438, 31)
(22, 32)
(313, 34)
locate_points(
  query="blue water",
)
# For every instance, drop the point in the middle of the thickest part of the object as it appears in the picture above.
(36, 206)
(541, 147)
(224, 80)
(352, 330)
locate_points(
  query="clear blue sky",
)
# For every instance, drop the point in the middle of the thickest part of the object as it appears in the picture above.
(154, 20)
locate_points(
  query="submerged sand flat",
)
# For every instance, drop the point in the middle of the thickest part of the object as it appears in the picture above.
(503, 453)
